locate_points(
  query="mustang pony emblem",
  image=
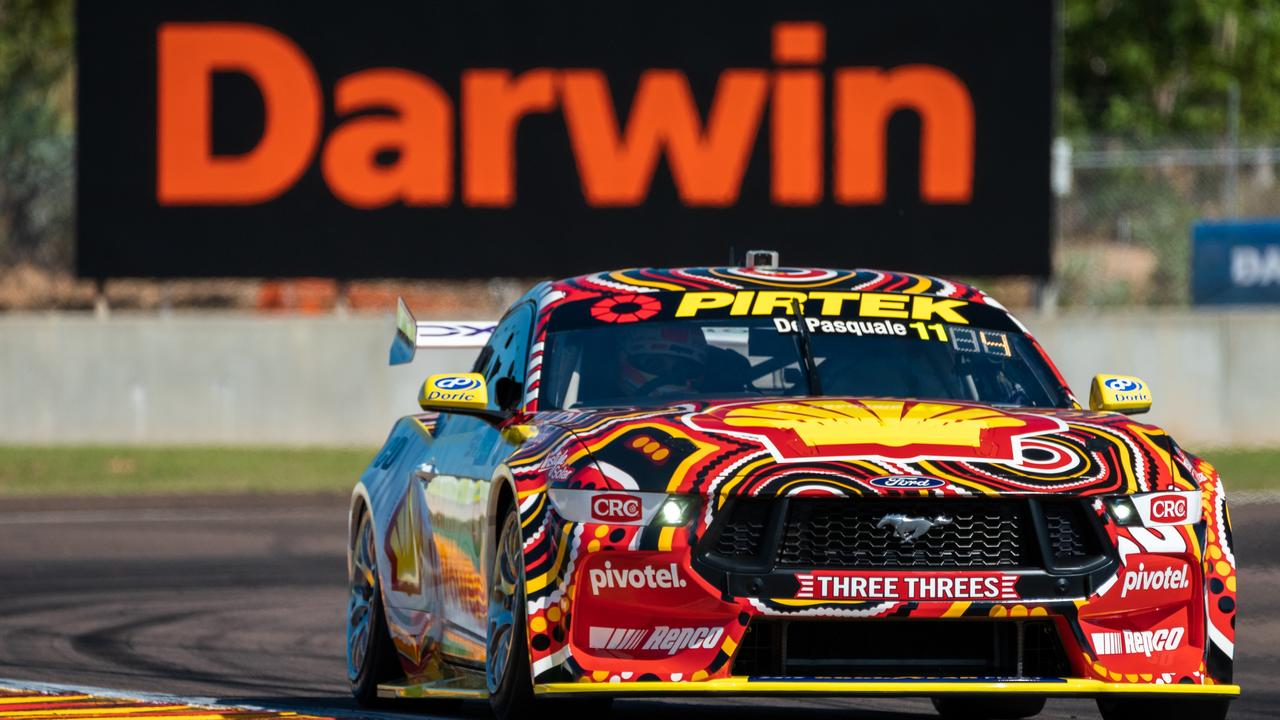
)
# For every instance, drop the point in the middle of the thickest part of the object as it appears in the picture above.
(909, 529)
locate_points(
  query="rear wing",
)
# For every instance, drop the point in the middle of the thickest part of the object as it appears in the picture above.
(411, 334)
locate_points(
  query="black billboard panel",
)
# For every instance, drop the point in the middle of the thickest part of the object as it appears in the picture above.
(408, 139)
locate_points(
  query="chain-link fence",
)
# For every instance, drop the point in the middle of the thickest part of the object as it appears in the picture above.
(1125, 212)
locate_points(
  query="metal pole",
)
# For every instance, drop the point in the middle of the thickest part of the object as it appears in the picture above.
(1232, 189)
(101, 308)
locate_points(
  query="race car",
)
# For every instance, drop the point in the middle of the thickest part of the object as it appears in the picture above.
(730, 481)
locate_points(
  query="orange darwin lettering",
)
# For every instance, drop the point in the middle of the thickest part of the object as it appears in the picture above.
(187, 171)
(864, 101)
(419, 133)
(796, 147)
(401, 139)
(616, 168)
(492, 105)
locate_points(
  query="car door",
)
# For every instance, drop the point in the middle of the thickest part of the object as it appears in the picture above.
(468, 450)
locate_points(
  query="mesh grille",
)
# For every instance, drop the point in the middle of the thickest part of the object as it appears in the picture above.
(743, 536)
(1069, 540)
(825, 533)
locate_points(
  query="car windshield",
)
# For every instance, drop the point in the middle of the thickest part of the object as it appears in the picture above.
(659, 347)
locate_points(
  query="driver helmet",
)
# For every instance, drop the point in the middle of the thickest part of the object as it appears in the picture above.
(663, 359)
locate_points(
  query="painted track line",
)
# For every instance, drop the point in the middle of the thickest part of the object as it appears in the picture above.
(59, 517)
(56, 701)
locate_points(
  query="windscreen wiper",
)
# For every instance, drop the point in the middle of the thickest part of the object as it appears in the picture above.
(806, 348)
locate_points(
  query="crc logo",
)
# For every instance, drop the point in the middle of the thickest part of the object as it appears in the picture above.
(907, 482)
(909, 529)
(616, 507)
(1169, 508)
(1122, 384)
(457, 383)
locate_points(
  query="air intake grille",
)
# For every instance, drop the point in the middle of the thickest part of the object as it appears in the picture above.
(743, 536)
(965, 533)
(854, 533)
(1069, 538)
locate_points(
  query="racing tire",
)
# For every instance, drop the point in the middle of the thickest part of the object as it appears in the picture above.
(371, 656)
(1163, 708)
(988, 708)
(507, 655)
(507, 652)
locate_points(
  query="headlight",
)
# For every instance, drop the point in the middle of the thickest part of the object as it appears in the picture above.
(675, 511)
(623, 508)
(1157, 509)
(1123, 511)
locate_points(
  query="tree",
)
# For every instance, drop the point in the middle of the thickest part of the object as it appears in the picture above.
(37, 130)
(1147, 69)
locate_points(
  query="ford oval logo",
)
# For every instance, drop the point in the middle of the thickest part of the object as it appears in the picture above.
(907, 482)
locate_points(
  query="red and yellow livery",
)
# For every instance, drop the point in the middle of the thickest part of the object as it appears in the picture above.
(786, 481)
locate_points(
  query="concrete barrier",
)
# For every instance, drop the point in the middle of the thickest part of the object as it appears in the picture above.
(240, 379)
(1214, 376)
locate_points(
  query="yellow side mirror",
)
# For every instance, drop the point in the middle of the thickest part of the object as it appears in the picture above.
(454, 391)
(519, 434)
(1119, 393)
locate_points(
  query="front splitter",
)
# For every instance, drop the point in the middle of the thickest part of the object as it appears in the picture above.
(897, 687)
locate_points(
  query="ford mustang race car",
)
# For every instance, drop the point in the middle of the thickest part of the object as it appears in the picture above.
(760, 480)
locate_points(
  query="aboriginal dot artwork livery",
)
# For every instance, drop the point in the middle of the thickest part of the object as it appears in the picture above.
(975, 451)
(662, 539)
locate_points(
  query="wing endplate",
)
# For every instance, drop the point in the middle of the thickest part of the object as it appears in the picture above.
(413, 334)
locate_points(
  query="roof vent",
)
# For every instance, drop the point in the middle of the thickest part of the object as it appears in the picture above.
(762, 258)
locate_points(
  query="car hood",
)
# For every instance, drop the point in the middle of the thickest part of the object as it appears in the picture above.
(866, 446)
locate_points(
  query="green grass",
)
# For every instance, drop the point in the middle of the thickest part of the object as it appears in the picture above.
(62, 471)
(1246, 469)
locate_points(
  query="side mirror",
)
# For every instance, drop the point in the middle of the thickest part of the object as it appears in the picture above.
(1119, 393)
(507, 394)
(454, 392)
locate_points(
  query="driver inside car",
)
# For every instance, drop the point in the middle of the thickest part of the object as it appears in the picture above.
(662, 360)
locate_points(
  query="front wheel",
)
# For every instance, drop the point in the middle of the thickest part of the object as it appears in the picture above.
(988, 708)
(507, 653)
(1163, 708)
(507, 656)
(371, 658)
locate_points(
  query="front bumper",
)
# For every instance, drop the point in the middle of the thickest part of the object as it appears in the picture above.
(636, 611)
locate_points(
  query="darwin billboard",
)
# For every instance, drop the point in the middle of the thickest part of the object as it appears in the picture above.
(409, 139)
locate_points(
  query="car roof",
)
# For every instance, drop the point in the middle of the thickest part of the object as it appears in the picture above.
(730, 278)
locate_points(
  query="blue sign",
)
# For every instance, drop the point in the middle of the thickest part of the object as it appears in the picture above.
(1235, 262)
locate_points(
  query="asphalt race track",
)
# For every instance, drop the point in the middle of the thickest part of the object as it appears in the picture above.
(242, 598)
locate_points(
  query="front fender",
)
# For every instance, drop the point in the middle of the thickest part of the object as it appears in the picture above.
(1219, 566)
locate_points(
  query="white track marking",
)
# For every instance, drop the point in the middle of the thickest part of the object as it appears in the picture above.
(57, 517)
(164, 699)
